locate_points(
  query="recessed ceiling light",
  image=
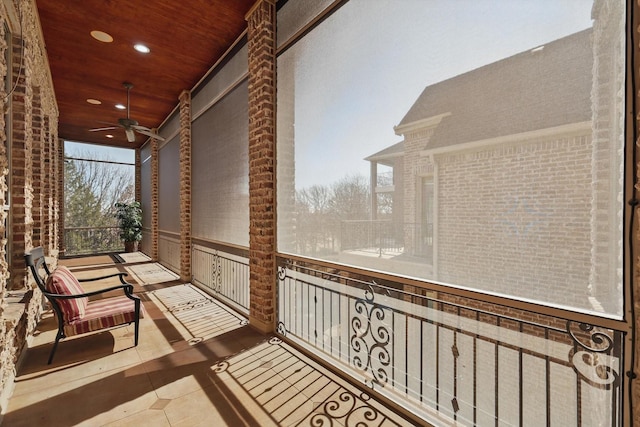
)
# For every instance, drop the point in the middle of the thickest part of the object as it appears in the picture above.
(109, 135)
(101, 36)
(141, 48)
(120, 107)
(93, 101)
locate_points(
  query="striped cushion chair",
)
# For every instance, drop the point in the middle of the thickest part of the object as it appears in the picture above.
(76, 314)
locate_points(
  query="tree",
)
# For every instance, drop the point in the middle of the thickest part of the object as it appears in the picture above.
(321, 210)
(351, 199)
(312, 205)
(92, 187)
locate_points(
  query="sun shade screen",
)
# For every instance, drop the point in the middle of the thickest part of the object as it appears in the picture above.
(475, 144)
(220, 81)
(220, 170)
(169, 186)
(296, 15)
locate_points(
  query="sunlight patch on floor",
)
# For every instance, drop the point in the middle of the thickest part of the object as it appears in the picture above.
(197, 316)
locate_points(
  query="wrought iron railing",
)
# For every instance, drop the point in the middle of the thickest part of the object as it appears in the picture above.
(224, 274)
(92, 240)
(387, 237)
(457, 360)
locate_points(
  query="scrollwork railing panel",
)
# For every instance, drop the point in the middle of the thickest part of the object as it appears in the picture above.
(436, 355)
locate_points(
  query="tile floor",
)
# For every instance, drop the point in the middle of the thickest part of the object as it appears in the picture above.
(198, 363)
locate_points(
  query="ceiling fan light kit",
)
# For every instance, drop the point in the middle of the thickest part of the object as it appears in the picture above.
(129, 125)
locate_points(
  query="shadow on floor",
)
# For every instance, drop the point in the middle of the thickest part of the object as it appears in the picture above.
(198, 364)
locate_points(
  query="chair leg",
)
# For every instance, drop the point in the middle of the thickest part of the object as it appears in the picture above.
(55, 345)
(137, 322)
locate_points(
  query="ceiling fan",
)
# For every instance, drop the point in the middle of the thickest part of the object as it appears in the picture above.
(129, 125)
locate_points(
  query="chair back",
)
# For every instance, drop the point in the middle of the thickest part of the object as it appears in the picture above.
(37, 263)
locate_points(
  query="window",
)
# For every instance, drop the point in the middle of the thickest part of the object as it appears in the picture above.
(502, 125)
(95, 178)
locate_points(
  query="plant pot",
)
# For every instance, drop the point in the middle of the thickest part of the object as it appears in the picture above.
(131, 246)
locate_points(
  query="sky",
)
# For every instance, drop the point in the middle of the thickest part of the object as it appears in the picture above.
(359, 72)
(99, 152)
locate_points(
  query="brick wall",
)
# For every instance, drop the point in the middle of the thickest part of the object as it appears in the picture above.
(509, 244)
(7, 329)
(262, 100)
(33, 204)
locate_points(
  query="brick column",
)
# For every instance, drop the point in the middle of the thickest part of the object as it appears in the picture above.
(51, 167)
(60, 194)
(47, 163)
(138, 177)
(4, 170)
(185, 186)
(37, 172)
(21, 169)
(154, 200)
(262, 100)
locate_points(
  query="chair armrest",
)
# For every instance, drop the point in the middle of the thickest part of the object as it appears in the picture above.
(127, 288)
(121, 276)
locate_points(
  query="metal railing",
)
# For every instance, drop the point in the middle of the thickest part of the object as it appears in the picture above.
(387, 237)
(225, 275)
(455, 360)
(92, 240)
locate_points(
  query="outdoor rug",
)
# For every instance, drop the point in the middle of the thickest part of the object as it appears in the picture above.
(150, 273)
(131, 257)
(198, 315)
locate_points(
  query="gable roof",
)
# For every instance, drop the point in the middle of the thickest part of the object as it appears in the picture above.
(541, 88)
(383, 156)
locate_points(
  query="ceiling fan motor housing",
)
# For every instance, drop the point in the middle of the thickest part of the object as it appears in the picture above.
(127, 122)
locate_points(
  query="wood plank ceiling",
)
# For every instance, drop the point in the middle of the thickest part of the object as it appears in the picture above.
(185, 37)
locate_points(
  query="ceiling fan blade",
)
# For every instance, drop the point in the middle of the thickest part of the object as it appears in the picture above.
(146, 131)
(99, 129)
(129, 125)
(131, 137)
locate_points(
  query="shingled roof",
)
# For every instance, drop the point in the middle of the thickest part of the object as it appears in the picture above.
(538, 89)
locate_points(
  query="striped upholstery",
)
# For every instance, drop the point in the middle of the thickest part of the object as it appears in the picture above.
(102, 314)
(62, 281)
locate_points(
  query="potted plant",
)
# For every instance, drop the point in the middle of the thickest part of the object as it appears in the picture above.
(129, 216)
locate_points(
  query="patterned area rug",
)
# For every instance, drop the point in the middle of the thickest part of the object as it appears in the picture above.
(200, 316)
(151, 273)
(132, 257)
